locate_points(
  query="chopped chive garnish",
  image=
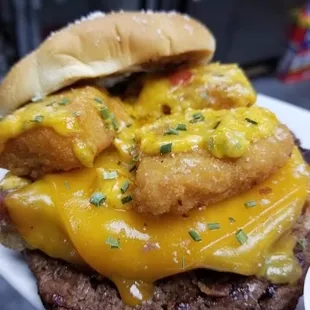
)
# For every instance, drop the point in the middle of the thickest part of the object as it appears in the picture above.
(217, 124)
(181, 127)
(1, 118)
(112, 242)
(197, 117)
(251, 121)
(132, 149)
(125, 186)
(110, 175)
(105, 113)
(241, 236)
(132, 167)
(194, 235)
(97, 199)
(98, 100)
(136, 157)
(171, 131)
(76, 114)
(165, 148)
(64, 101)
(183, 262)
(231, 220)
(114, 122)
(38, 119)
(213, 226)
(250, 203)
(126, 199)
(37, 98)
(302, 243)
(67, 185)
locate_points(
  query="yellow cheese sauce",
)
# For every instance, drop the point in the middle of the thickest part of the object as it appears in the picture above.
(62, 112)
(224, 133)
(213, 86)
(61, 215)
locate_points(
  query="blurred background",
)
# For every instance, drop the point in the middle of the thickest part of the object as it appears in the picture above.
(255, 33)
(260, 35)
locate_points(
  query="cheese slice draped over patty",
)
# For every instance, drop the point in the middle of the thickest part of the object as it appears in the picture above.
(86, 217)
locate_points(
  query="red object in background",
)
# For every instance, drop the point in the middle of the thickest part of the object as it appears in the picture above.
(295, 65)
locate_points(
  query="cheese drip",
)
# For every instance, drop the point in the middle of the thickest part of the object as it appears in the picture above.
(55, 215)
(62, 113)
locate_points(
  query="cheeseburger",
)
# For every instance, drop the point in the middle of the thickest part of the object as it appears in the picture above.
(141, 176)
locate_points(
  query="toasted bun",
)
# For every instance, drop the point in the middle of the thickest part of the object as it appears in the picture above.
(104, 45)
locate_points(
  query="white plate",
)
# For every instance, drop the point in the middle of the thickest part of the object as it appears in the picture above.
(15, 271)
(307, 291)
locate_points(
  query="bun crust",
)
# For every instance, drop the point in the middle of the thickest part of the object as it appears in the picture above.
(104, 45)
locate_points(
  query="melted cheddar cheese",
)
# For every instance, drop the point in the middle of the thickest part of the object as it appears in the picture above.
(56, 214)
(213, 86)
(62, 112)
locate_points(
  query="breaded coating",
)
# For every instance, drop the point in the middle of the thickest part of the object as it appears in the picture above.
(216, 86)
(176, 183)
(59, 133)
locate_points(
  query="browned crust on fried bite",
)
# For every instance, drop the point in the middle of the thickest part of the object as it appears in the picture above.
(176, 183)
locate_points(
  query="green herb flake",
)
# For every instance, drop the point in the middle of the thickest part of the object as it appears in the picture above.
(76, 114)
(213, 226)
(183, 262)
(165, 148)
(231, 220)
(241, 236)
(67, 185)
(217, 124)
(105, 114)
(1, 118)
(111, 175)
(97, 199)
(98, 100)
(63, 101)
(125, 187)
(126, 199)
(38, 119)
(302, 243)
(136, 157)
(250, 204)
(112, 242)
(181, 127)
(132, 150)
(197, 117)
(194, 235)
(171, 131)
(114, 122)
(251, 121)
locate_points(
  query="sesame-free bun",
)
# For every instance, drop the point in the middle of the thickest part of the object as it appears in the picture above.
(103, 46)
